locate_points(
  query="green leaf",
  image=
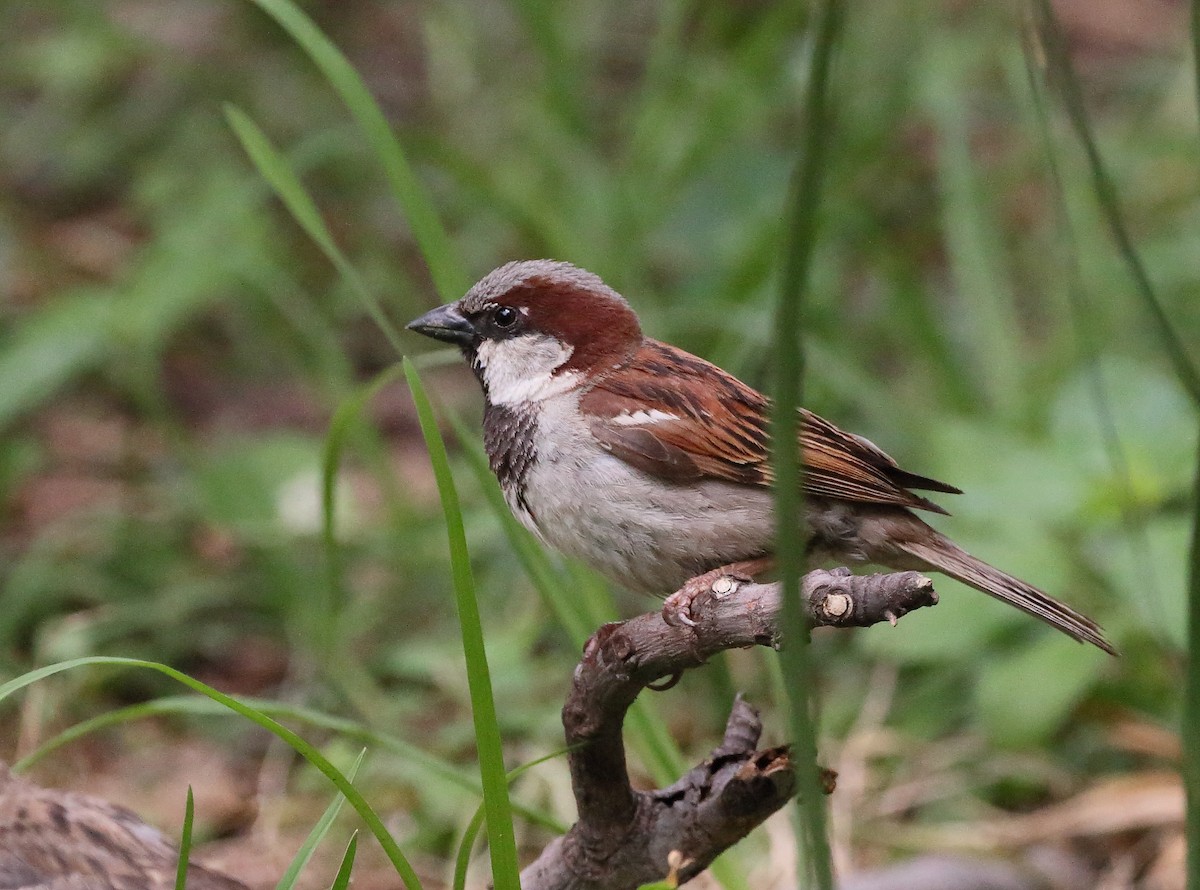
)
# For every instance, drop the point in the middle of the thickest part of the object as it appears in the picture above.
(1156, 423)
(1009, 481)
(1165, 608)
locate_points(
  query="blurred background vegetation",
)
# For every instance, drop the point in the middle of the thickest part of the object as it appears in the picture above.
(173, 348)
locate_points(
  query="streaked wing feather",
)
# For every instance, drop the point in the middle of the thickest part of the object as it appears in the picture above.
(679, 417)
(640, 447)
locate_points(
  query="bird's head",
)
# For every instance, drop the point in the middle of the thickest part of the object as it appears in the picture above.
(536, 328)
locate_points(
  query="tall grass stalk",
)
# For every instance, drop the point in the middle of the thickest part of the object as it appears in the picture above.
(501, 842)
(1089, 344)
(275, 169)
(1191, 700)
(799, 241)
(1062, 74)
(438, 251)
(1191, 704)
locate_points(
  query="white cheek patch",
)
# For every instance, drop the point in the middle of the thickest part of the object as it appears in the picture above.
(643, 418)
(522, 369)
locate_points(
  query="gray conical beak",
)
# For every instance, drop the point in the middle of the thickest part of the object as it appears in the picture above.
(445, 323)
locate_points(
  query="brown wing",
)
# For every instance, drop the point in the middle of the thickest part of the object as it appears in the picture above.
(677, 416)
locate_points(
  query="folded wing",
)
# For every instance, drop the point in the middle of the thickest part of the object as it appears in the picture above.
(679, 417)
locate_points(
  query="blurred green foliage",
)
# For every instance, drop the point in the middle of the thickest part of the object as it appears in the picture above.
(155, 294)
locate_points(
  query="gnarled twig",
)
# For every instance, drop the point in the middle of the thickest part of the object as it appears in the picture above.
(626, 838)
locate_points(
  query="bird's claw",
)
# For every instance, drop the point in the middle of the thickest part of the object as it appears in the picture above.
(677, 608)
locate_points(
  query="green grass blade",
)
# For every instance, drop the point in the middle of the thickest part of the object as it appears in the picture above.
(274, 168)
(501, 843)
(428, 764)
(800, 239)
(341, 425)
(578, 614)
(546, 579)
(342, 880)
(185, 842)
(1062, 73)
(444, 265)
(305, 853)
(1191, 703)
(1082, 312)
(298, 744)
(1191, 697)
(462, 858)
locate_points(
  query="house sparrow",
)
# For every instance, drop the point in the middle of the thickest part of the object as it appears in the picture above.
(653, 466)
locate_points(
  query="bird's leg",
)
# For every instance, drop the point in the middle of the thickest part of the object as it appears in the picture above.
(678, 606)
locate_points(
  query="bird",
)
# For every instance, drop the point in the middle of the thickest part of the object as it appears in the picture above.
(62, 840)
(653, 466)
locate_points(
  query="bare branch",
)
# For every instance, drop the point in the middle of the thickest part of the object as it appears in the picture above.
(626, 838)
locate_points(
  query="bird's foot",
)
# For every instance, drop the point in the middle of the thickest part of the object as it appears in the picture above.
(677, 608)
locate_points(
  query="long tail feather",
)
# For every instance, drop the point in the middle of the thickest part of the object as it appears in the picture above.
(944, 556)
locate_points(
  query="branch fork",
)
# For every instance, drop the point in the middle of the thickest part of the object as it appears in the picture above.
(625, 838)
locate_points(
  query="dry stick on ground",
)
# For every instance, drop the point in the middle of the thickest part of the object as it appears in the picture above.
(626, 838)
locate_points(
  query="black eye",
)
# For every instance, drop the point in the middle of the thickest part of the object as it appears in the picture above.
(505, 317)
